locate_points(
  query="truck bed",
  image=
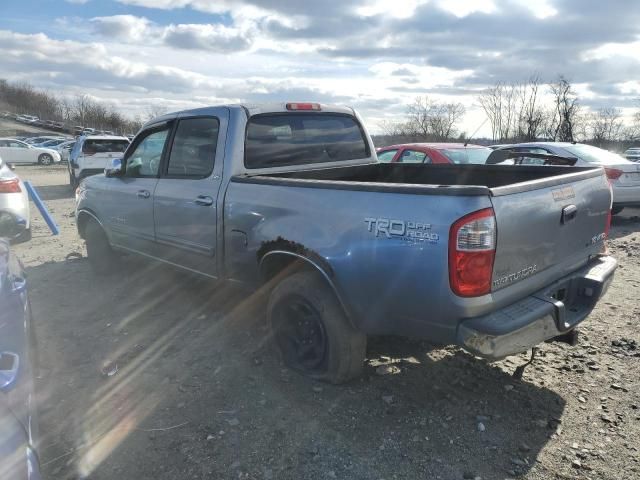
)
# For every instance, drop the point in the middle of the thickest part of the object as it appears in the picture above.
(431, 179)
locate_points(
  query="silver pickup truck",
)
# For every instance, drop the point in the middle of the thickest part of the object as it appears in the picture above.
(291, 197)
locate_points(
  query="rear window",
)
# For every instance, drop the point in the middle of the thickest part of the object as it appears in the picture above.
(595, 155)
(280, 140)
(464, 156)
(104, 146)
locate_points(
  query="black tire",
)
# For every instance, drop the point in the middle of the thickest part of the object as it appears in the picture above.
(23, 237)
(615, 210)
(102, 258)
(45, 159)
(311, 331)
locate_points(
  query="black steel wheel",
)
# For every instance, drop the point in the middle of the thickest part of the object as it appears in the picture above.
(299, 334)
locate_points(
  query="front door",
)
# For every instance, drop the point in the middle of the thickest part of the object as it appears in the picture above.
(185, 199)
(128, 202)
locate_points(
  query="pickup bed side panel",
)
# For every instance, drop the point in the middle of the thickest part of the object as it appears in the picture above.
(389, 281)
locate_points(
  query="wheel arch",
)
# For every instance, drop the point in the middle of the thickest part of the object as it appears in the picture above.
(282, 258)
(82, 217)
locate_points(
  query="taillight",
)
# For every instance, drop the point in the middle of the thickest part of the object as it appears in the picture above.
(303, 106)
(472, 248)
(10, 186)
(613, 173)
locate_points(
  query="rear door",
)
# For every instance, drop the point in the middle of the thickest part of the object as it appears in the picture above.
(128, 200)
(186, 197)
(553, 227)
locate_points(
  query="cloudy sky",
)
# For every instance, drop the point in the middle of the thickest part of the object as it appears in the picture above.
(376, 55)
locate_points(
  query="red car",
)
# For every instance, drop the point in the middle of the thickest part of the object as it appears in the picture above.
(457, 153)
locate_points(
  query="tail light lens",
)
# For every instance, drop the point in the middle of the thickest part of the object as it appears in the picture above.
(10, 186)
(613, 173)
(472, 248)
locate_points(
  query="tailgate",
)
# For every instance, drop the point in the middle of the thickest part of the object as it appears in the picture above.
(552, 227)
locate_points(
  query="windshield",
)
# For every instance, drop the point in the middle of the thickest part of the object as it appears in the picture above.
(278, 140)
(465, 156)
(592, 154)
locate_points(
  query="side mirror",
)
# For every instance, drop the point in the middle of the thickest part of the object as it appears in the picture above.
(114, 169)
(11, 226)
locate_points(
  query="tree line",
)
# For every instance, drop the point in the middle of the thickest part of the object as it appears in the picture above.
(81, 110)
(518, 112)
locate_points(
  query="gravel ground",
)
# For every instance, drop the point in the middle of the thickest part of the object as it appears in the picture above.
(153, 374)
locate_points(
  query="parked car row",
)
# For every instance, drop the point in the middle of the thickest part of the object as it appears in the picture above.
(58, 125)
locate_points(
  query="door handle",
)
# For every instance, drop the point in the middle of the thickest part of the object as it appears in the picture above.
(144, 193)
(204, 200)
(569, 213)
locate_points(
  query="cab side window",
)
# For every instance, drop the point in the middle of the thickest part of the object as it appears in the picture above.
(194, 148)
(414, 156)
(145, 157)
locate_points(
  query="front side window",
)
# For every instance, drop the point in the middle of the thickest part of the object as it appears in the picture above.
(387, 155)
(144, 160)
(280, 140)
(15, 144)
(194, 148)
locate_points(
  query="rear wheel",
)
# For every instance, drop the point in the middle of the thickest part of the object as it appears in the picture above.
(311, 331)
(101, 256)
(615, 210)
(45, 159)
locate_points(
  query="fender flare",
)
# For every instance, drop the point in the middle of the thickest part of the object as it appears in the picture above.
(315, 266)
(85, 211)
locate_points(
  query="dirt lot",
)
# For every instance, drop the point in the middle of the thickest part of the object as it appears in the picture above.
(198, 394)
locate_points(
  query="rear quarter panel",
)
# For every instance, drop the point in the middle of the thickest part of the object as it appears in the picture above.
(388, 285)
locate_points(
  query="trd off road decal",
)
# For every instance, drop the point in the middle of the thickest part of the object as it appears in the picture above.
(401, 229)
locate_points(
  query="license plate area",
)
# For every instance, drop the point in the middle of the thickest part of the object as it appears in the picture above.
(573, 300)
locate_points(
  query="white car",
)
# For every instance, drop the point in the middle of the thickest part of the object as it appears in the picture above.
(14, 205)
(92, 154)
(15, 151)
(64, 149)
(27, 118)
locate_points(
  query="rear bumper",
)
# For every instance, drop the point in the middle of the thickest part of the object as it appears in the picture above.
(553, 311)
(626, 195)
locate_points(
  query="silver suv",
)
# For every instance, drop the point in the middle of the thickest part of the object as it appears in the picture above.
(92, 153)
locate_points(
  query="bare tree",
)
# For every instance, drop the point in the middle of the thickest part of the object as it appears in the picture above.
(154, 111)
(432, 120)
(499, 104)
(531, 115)
(566, 106)
(606, 125)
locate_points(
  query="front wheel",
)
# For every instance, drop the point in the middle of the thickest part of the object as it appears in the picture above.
(45, 159)
(101, 256)
(311, 331)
